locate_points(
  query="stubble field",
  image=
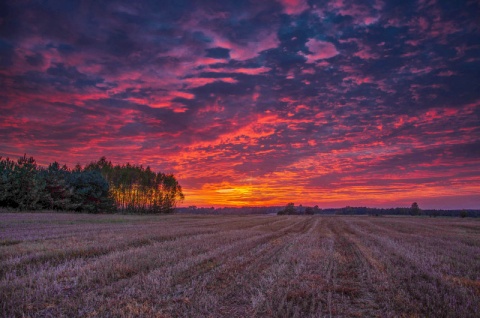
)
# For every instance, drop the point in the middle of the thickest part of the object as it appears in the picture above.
(69, 265)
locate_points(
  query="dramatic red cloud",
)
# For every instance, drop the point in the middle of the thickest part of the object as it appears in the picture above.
(253, 103)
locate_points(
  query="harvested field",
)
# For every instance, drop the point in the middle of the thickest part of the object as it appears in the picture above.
(69, 265)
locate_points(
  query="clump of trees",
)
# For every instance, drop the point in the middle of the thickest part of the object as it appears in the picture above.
(136, 189)
(290, 209)
(415, 209)
(98, 187)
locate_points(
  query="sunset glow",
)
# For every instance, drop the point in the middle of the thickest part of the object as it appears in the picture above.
(253, 103)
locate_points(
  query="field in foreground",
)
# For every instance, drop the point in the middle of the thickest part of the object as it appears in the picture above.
(237, 266)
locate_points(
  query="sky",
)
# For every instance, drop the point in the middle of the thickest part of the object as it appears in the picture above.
(253, 103)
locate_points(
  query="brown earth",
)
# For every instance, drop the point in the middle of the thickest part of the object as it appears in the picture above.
(75, 265)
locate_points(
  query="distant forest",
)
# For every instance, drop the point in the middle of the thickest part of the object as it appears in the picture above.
(291, 209)
(99, 187)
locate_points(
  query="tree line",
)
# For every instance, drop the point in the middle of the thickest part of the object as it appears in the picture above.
(413, 210)
(290, 209)
(99, 187)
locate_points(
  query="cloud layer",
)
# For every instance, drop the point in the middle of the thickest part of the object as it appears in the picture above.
(253, 103)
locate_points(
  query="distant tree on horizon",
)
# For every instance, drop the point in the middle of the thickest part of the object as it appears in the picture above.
(415, 209)
(288, 210)
(309, 211)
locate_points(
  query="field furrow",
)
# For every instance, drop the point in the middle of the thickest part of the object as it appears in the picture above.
(237, 266)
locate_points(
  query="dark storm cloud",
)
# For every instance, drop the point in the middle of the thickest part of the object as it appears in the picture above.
(35, 59)
(262, 94)
(6, 53)
(218, 52)
(70, 75)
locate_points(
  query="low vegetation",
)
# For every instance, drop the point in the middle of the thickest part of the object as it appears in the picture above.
(70, 265)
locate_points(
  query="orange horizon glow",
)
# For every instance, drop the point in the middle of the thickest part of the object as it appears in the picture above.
(266, 194)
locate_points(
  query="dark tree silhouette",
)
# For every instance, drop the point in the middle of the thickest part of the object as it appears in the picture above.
(415, 209)
(309, 211)
(139, 190)
(57, 194)
(288, 210)
(99, 187)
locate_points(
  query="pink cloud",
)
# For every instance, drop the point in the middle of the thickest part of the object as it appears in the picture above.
(359, 80)
(364, 51)
(446, 73)
(215, 108)
(294, 6)
(370, 20)
(244, 51)
(423, 24)
(240, 49)
(310, 71)
(201, 81)
(362, 14)
(366, 55)
(320, 50)
(242, 70)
